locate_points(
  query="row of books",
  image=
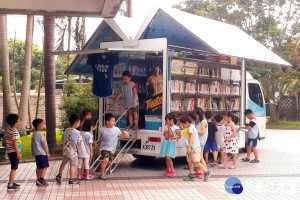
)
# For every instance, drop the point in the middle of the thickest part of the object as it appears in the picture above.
(222, 104)
(214, 88)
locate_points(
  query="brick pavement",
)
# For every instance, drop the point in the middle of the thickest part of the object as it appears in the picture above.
(277, 176)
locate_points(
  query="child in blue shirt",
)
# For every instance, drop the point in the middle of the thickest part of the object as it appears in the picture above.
(39, 148)
(253, 131)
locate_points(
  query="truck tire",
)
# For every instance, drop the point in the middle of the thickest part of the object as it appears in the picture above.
(143, 158)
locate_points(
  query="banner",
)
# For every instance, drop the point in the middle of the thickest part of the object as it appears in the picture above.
(154, 105)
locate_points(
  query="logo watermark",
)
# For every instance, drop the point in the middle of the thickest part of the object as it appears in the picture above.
(233, 185)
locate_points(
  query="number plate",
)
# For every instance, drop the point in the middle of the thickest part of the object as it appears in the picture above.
(149, 147)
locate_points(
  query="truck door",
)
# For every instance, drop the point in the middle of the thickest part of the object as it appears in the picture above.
(256, 103)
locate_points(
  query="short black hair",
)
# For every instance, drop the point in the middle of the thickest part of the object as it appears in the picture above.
(236, 120)
(87, 125)
(208, 114)
(12, 119)
(171, 116)
(230, 114)
(86, 111)
(185, 118)
(192, 115)
(36, 123)
(73, 119)
(127, 73)
(248, 111)
(108, 116)
(218, 118)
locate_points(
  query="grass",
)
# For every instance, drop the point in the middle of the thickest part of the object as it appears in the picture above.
(26, 146)
(284, 125)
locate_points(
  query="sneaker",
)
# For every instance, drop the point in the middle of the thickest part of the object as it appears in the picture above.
(219, 162)
(102, 176)
(172, 174)
(207, 175)
(12, 188)
(17, 185)
(190, 177)
(44, 182)
(201, 175)
(58, 178)
(79, 177)
(167, 173)
(212, 164)
(89, 177)
(74, 182)
(39, 182)
(254, 161)
(135, 128)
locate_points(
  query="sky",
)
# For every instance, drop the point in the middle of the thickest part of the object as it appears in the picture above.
(17, 23)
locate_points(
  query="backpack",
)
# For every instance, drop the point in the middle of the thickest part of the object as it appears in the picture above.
(69, 149)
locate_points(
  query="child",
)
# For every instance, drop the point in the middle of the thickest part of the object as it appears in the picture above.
(193, 150)
(168, 147)
(252, 137)
(86, 150)
(13, 145)
(39, 148)
(86, 114)
(71, 145)
(230, 142)
(131, 100)
(107, 143)
(220, 135)
(211, 143)
(202, 129)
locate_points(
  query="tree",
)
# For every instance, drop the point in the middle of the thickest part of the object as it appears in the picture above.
(23, 109)
(4, 62)
(49, 80)
(274, 23)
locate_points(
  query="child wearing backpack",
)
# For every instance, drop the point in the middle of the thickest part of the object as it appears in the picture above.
(71, 140)
(86, 150)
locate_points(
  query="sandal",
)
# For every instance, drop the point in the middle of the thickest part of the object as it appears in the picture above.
(221, 167)
(245, 159)
(232, 167)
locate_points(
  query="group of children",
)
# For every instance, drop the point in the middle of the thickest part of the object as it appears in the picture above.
(78, 147)
(203, 135)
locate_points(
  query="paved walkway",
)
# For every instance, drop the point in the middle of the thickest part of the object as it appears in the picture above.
(277, 176)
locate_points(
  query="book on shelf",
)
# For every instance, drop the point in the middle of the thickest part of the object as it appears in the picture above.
(176, 106)
(177, 66)
(189, 104)
(203, 102)
(214, 88)
(191, 68)
(190, 88)
(176, 86)
(215, 73)
(204, 72)
(203, 88)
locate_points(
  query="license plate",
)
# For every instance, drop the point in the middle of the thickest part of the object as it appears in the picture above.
(149, 147)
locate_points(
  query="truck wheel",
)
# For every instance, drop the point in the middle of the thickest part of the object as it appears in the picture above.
(143, 158)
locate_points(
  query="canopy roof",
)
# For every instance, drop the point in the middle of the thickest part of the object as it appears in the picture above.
(181, 29)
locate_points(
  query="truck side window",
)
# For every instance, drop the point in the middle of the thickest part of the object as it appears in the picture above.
(255, 94)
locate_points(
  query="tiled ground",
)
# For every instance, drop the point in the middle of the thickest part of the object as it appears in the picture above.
(277, 176)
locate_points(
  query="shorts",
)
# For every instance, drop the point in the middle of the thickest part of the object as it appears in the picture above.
(194, 156)
(202, 147)
(107, 154)
(73, 162)
(85, 161)
(41, 161)
(211, 146)
(134, 109)
(252, 142)
(14, 161)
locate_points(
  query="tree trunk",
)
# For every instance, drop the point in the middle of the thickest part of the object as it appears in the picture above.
(39, 90)
(49, 80)
(13, 73)
(26, 79)
(129, 8)
(4, 62)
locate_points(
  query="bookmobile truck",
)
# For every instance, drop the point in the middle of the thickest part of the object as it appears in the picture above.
(178, 61)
